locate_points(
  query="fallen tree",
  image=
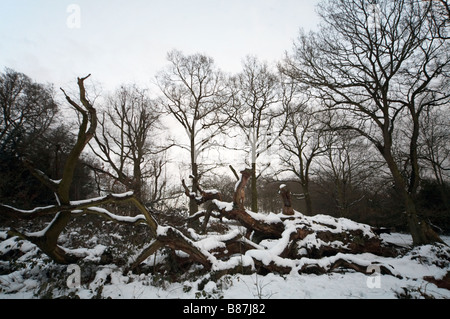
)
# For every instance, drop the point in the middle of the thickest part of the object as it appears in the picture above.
(65, 209)
(283, 243)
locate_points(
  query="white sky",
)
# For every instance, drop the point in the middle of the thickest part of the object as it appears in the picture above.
(122, 41)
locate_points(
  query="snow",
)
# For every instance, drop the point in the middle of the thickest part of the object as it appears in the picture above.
(109, 281)
(31, 211)
(243, 261)
(270, 218)
(92, 254)
(212, 191)
(129, 219)
(211, 242)
(162, 230)
(88, 201)
(226, 206)
(336, 225)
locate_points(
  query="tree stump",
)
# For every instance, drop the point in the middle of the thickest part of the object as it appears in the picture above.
(285, 194)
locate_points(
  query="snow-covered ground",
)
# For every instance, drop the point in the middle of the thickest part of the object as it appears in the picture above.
(34, 276)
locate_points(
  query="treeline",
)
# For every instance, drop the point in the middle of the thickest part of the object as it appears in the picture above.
(354, 120)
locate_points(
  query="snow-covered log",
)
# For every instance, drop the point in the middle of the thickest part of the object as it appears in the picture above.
(287, 239)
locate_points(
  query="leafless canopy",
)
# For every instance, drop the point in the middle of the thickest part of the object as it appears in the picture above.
(378, 67)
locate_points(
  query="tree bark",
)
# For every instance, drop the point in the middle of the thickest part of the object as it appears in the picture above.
(239, 192)
(421, 231)
(285, 194)
(307, 195)
(254, 206)
(193, 206)
(48, 240)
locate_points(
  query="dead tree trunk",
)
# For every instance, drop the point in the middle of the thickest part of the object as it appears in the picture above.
(47, 239)
(286, 199)
(239, 192)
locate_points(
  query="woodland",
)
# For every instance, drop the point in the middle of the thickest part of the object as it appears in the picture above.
(268, 171)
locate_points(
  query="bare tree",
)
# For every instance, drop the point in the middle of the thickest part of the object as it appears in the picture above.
(125, 142)
(440, 18)
(194, 94)
(256, 93)
(378, 65)
(346, 170)
(65, 209)
(27, 113)
(27, 110)
(226, 254)
(302, 140)
(446, 8)
(435, 148)
(47, 239)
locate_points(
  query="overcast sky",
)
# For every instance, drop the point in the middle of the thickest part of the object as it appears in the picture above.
(122, 41)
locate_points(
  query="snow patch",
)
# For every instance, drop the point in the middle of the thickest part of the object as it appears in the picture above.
(270, 218)
(226, 206)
